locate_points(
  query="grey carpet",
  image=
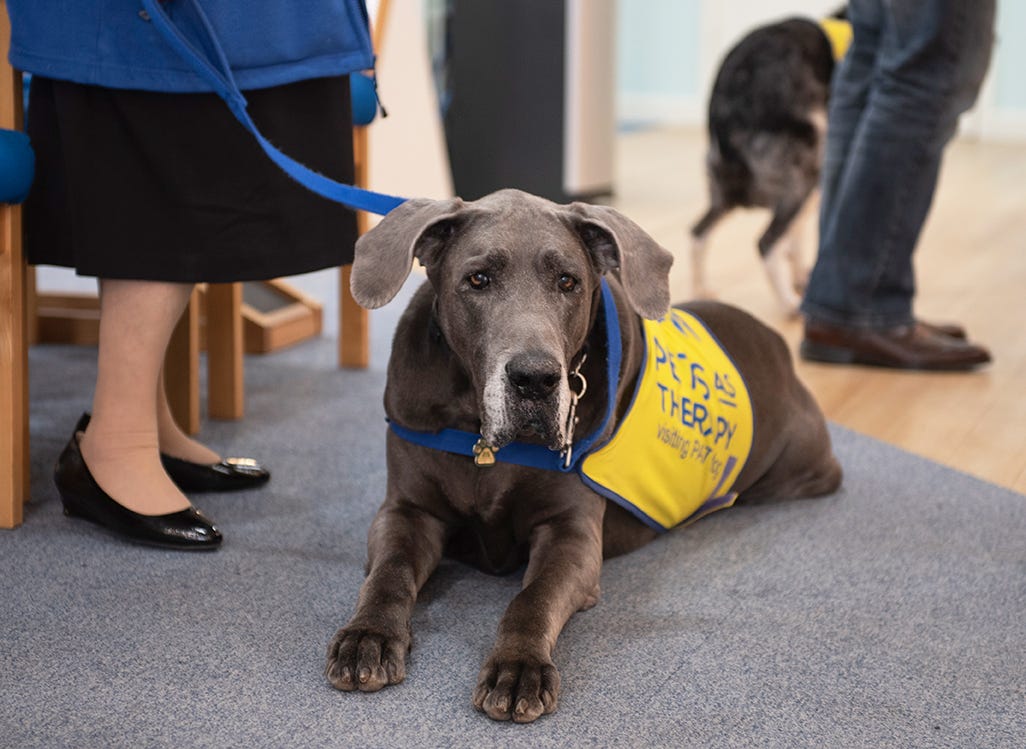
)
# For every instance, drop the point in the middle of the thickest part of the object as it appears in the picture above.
(890, 615)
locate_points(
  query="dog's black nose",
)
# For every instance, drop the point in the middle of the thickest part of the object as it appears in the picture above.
(533, 375)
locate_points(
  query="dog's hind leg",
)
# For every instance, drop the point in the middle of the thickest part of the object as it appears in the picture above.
(775, 249)
(796, 238)
(699, 250)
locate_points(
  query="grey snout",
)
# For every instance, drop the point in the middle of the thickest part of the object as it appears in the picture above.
(533, 375)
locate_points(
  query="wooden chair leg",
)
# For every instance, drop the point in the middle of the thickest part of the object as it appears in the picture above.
(181, 368)
(225, 399)
(353, 327)
(353, 321)
(14, 397)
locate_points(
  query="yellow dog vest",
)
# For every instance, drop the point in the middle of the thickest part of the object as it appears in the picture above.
(676, 454)
(839, 33)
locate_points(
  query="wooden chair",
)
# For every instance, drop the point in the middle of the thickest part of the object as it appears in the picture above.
(220, 305)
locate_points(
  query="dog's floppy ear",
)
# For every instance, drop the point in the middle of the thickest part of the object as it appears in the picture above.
(616, 242)
(384, 255)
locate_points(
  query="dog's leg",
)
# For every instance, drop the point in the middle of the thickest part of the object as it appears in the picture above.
(404, 547)
(773, 247)
(796, 242)
(519, 679)
(699, 249)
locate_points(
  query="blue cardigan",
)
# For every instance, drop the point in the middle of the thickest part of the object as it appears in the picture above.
(113, 44)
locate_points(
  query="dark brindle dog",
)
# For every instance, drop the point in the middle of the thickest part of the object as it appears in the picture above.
(493, 345)
(767, 125)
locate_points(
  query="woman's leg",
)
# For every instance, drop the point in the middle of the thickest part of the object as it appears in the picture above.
(121, 445)
(173, 441)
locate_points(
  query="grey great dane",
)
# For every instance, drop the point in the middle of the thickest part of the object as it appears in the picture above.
(498, 343)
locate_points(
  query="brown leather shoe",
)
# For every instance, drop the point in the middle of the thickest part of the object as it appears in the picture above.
(919, 346)
(952, 330)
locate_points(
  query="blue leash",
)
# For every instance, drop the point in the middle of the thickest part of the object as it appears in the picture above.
(213, 67)
(537, 456)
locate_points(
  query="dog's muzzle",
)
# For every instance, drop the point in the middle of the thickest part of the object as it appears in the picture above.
(526, 396)
(531, 396)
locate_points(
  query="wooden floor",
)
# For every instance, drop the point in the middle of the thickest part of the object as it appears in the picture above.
(971, 269)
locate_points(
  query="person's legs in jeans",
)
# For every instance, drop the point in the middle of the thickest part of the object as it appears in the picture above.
(914, 67)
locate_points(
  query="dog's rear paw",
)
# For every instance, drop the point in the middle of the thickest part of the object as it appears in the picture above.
(365, 660)
(522, 689)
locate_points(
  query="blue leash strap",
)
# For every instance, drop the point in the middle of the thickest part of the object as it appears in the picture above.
(212, 65)
(525, 454)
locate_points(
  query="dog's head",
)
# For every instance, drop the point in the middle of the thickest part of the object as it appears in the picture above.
(516, 279)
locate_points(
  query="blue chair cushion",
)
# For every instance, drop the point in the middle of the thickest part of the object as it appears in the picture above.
(17, 166)
(365, 100)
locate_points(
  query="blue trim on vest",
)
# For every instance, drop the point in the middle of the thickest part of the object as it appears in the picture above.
(609, 493)
(714, 502)
(537, 456)
(625, 504)
(211, 64)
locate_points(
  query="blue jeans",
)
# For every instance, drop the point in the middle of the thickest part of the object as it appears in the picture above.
(914, 66)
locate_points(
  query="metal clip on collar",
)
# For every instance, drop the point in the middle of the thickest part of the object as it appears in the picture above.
(571, 421)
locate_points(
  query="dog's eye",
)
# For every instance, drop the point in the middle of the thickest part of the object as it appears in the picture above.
(478, 280)
(567, 283)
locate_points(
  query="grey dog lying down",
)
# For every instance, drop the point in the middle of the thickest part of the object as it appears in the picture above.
(507, 349)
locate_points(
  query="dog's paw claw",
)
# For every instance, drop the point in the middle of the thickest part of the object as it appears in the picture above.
(365, 660)
(521, 690)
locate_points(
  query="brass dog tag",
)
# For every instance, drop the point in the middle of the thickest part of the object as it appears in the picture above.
(483, 454)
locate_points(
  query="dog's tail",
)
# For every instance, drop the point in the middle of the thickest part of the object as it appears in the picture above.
(728, 119)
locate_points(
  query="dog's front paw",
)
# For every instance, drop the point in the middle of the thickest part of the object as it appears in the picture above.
(365, 659)
(521, 688)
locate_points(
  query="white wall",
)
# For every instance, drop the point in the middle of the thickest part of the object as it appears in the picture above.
(407, 149)
(1000, 114)
(669, 50)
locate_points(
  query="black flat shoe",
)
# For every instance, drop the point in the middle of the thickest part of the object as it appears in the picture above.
(231, 474)
(186, 530)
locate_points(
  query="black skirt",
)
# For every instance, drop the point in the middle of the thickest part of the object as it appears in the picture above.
(169, 187)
